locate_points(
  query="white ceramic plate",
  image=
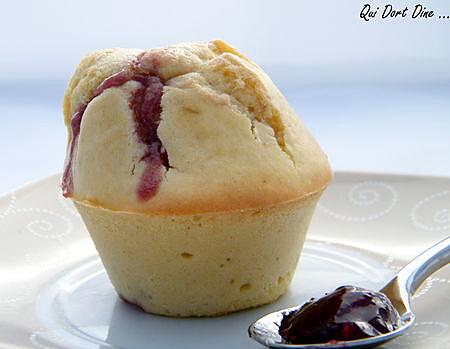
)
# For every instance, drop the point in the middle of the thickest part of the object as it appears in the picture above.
(54, 292)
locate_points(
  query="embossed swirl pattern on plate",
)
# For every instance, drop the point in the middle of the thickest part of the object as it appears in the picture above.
(433, 212)
(370, 199)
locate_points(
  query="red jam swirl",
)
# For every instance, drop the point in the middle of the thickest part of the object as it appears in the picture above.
(145, 103)
(348, 313)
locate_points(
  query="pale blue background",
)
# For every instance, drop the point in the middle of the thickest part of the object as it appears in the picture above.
(376, 95)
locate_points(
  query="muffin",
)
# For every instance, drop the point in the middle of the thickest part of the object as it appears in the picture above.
(195, 178)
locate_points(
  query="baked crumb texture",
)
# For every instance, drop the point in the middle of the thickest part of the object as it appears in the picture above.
(232, 140)
(204, 264)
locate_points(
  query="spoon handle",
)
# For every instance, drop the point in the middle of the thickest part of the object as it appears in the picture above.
(421, 267)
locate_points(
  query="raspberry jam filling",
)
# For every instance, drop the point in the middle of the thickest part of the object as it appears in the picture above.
(348, 313)
(67, 178)
(145, 103)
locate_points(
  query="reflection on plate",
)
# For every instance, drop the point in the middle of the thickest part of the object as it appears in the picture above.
(54, 292)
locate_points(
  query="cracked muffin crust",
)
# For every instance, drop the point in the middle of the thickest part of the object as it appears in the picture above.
(224, 137)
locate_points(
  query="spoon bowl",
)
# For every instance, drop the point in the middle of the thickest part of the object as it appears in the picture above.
(265, 332)
(399, 291)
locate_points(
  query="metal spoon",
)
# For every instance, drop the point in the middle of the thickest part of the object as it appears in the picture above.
(399, 290)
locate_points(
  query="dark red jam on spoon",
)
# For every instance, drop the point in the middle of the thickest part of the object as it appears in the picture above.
(348, 313)
(146, 106)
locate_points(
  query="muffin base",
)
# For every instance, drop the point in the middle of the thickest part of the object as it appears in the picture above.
(204, 264)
